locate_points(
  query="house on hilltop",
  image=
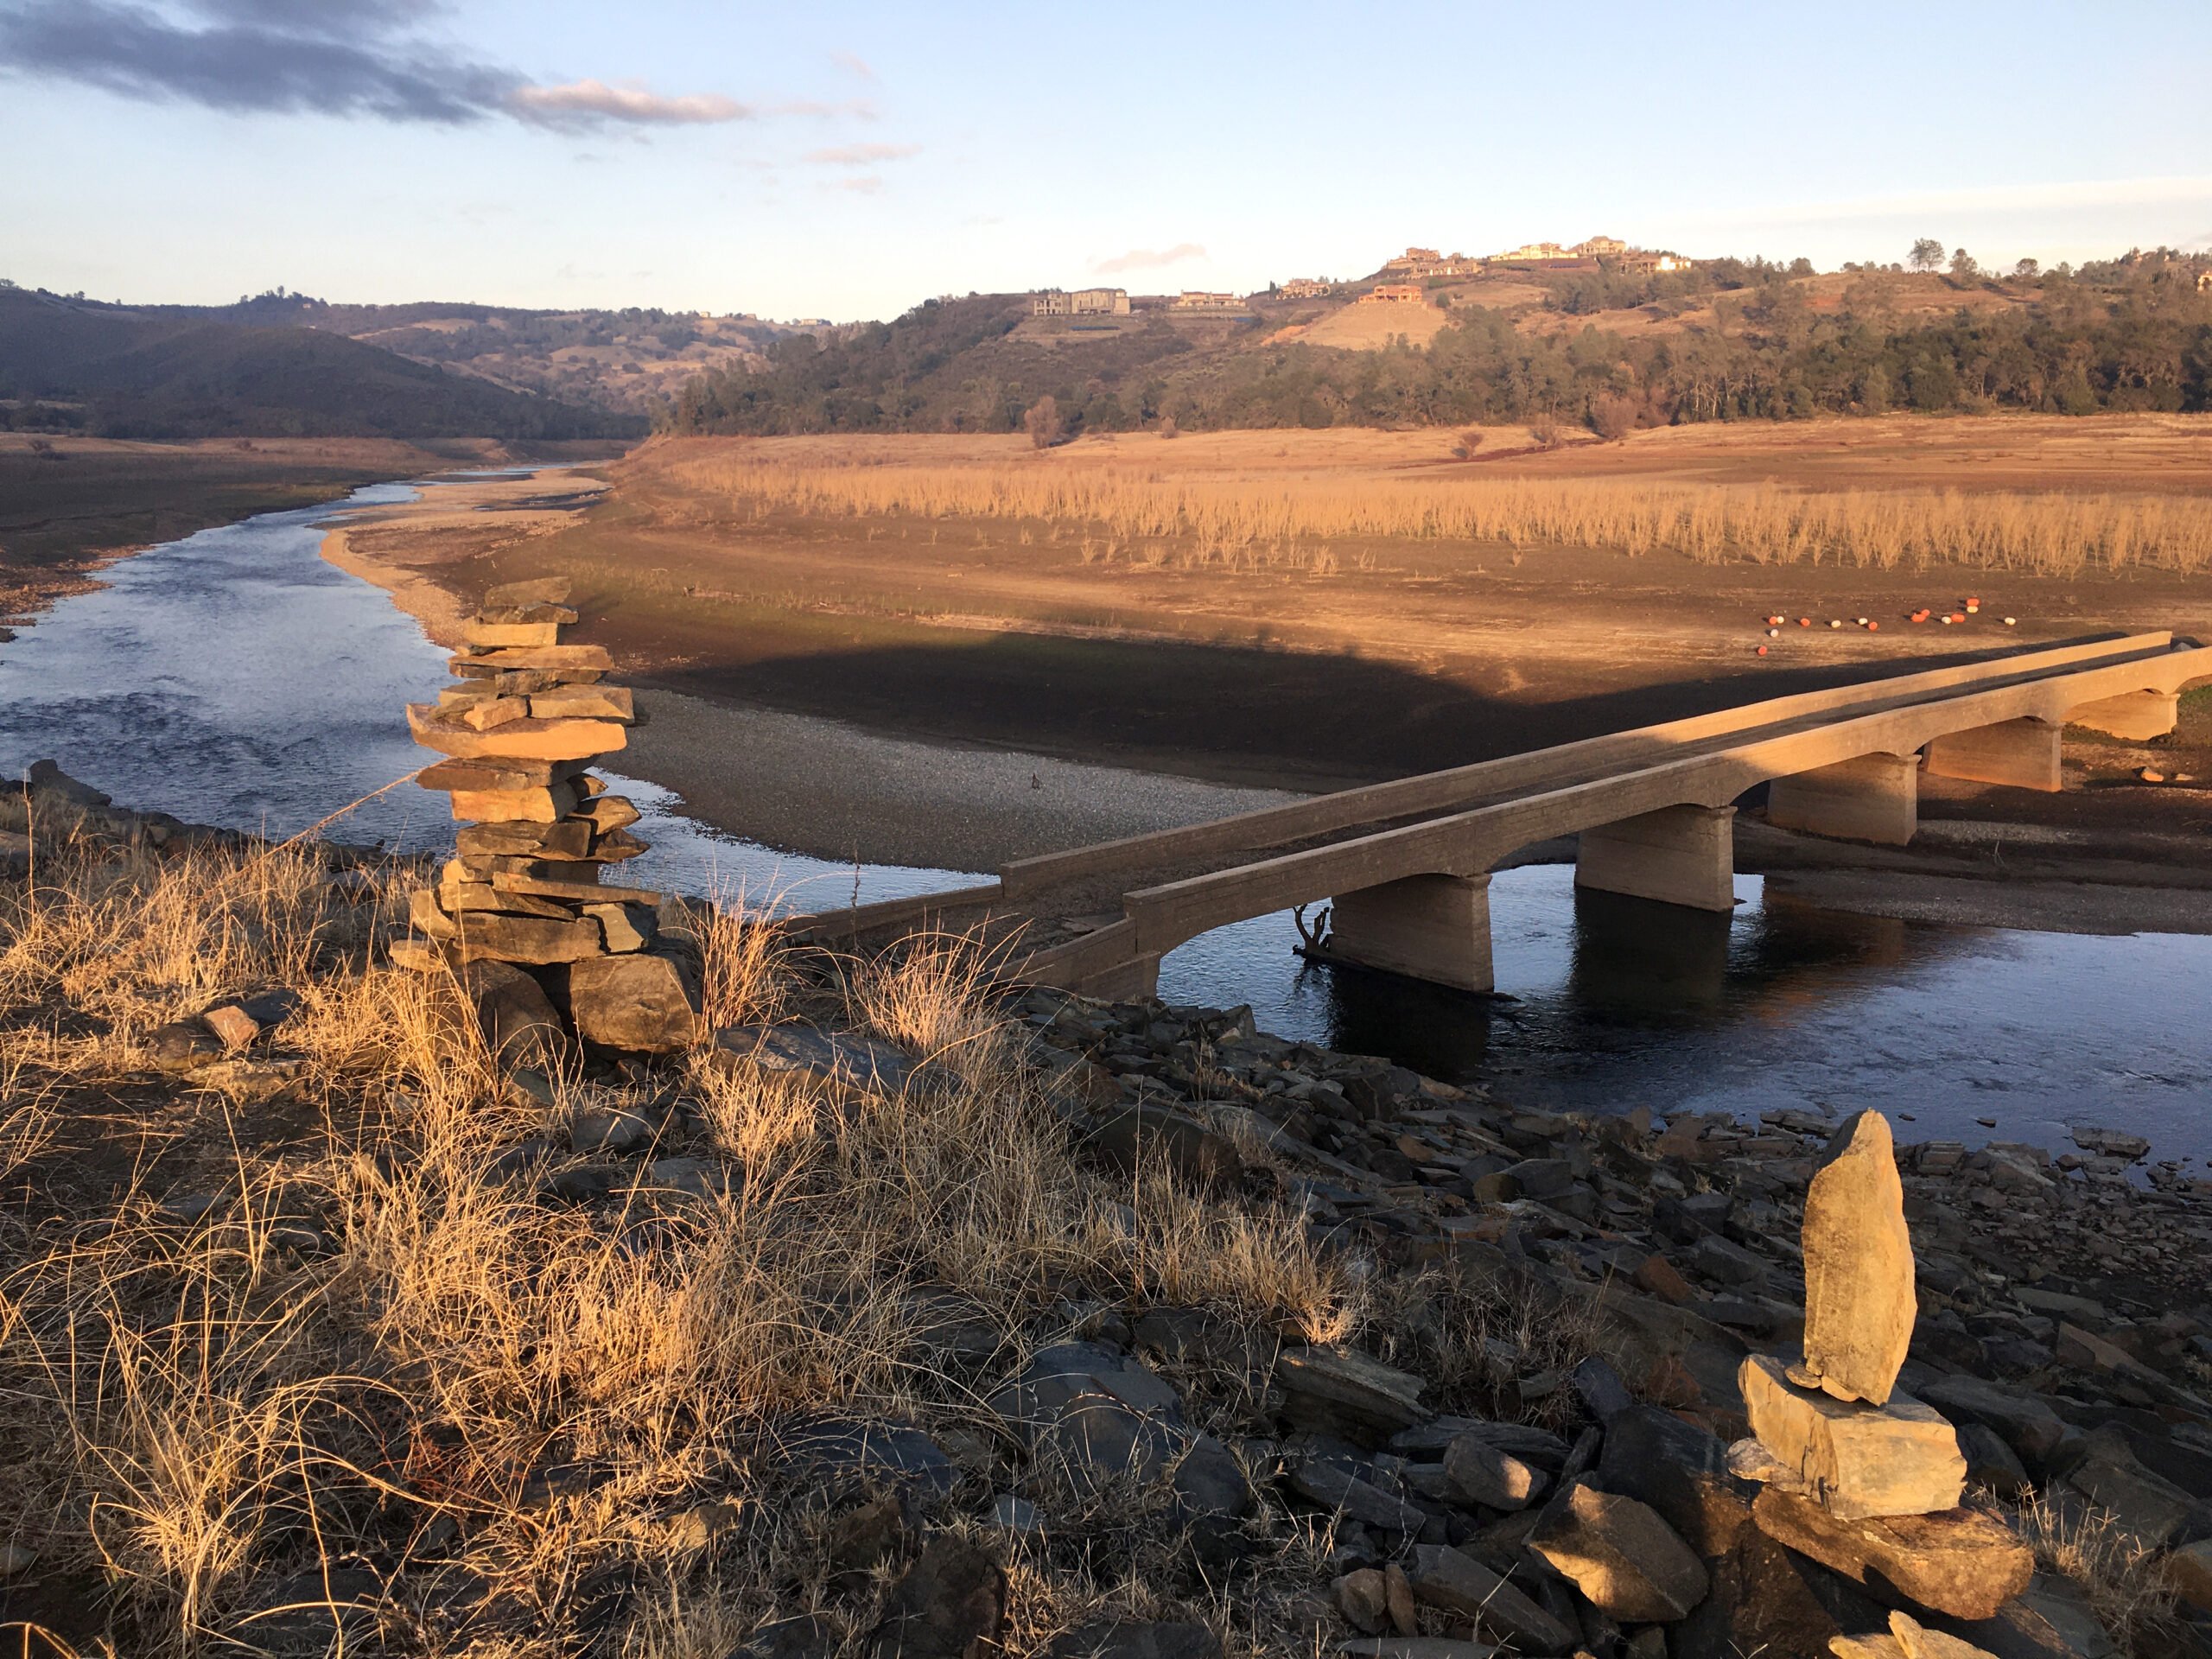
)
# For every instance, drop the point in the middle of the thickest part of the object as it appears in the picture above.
(1081, 302)
(1600, 247)
(1415, 264)
(1201, 300)
(1305, 288)
(1395, 294)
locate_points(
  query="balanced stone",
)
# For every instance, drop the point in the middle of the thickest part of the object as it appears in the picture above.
(507, 805)
(1858, 1273)
(1964, 1562)
(1898, 1459)
(519, 740)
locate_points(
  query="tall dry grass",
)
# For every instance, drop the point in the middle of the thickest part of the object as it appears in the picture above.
(370, 1349)
(1290, 520)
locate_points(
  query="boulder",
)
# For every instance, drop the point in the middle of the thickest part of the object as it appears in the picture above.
(1683, 1473)
(1324, 1482)
(1342, 1391)
(2145, 1504)
(1965, 1562)
(1480, 1472)
(1627, 1562)
(1144, 1132)
(842, 1057)
(1858, 1270)
(2189, 1572)
(2048, 1620)
(1991, 1464)
(951, 1603)
(517, 1018)
(2022, 1420)
(639, 1004)
(1898, 1458)
(1768, 1602)
(1414, 1647)
(1459, 1583)
(1364, 1600)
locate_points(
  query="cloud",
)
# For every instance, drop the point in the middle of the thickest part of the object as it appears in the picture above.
(861, 155)
(359, 59)
(587, 103)
(1148, 258)
(853, 64)
(867, 184)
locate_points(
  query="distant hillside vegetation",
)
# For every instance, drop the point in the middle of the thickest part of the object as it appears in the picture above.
(69, 365)
(1727, 340)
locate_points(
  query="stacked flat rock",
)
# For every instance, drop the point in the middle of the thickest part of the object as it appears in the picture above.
(1859, 1475)
(523, 720)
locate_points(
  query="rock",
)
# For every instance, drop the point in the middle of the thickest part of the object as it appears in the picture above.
(1333, 1488)
(1459, 1583)
(233, 1025)
(2146, 1505)
(2048, 1620)
(867, 1454)
(1683, 1473)
(16, 1560)
(1991, 1463)
(1858, 1270)
(332, 1609)
(1915, 1640)
(1656, 1276)
(1414, 1647)
(1018, 1517)
(485, 935)
(1627, 1562)
(1067, 1371)
(2187, 1572)
(1882, 1646)
(1965, 1562)
(842, 1057)
(1342, 1391)
(865, 1537)
(182, 1047)
(1398, 1597)
(696, 1527)
(1768, 1602)
(2113, 1143)
(2022, 1420)
(1110, 1639)
(515, 1015)
(951, 1603)
(625, 927)
(1191, 1148)
(1479, 1473)
(1601, 1389)
(1363, 1600)
(251, 1083)
(1898, 1459)
(640, 1004)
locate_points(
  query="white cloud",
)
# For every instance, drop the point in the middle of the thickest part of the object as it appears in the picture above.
(583, 102)
(1148, 258)
(865, 184)
(853, 64)
(861, 155)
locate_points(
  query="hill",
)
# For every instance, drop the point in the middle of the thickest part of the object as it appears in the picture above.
(1723, 339)
(70, 365)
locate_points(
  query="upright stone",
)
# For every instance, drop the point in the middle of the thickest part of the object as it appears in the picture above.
(1859, 1285)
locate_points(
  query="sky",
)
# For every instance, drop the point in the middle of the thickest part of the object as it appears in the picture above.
(849, 161)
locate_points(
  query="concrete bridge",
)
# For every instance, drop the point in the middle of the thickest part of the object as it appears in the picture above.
(1406, 864)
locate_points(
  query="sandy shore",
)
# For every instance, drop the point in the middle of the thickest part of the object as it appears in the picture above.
(831, 789)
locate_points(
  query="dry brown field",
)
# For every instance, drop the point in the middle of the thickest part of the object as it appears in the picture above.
(1320, 607)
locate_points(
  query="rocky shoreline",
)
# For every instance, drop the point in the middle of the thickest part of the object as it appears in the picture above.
(1544, 1452)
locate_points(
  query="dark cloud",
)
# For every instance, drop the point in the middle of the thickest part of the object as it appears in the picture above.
(362, 58)
(245, 65)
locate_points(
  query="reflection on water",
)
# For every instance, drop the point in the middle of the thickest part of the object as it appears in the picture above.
(1612, 1003)
(235, 678)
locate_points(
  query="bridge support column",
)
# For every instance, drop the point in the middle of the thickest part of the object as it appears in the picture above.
(2133, 715)
(1875, 798)
(2020, 754)
(1679, 855)
(1431, 927)
(1126, 981)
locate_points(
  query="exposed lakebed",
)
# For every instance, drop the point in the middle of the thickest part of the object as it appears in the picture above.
(234, 677)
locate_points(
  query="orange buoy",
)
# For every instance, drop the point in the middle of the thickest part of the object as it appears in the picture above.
(1873, 627)
(1804, 622)
(1762, 650)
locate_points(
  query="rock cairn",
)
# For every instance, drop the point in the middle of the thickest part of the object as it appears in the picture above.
(1857, 1474)
(524, 719)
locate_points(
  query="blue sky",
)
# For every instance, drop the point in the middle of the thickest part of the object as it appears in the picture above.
(849, 160)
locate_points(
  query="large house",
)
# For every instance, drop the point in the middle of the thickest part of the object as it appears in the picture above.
(1305, 288)
(1393, 293)
(1081, 302)
(1199, 299)
(1416, 264)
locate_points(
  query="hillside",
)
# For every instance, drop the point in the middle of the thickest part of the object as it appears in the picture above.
(70, 365)
(1614, 350)
(632, 361)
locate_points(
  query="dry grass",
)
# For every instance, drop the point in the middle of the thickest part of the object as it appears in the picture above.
(1147, 520)
(2115, 1572)
(379, 1350)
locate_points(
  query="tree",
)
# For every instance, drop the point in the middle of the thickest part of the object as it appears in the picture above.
(1963, 266)
(2026, 270)
(1042, 422)
(1927, 253)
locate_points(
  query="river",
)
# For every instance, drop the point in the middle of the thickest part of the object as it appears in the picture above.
(234, 677)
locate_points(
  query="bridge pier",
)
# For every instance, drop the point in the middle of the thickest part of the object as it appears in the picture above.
(2133, 715)
(2020, 754)
(1431, 927)
(1874, 797)
(1678, 855)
